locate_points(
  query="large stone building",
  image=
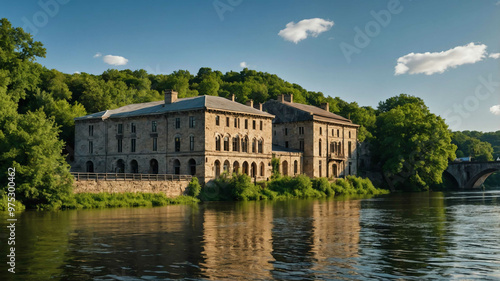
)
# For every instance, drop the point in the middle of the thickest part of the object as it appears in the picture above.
(205, 136)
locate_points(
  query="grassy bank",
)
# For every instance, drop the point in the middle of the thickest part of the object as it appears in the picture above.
(240, 188)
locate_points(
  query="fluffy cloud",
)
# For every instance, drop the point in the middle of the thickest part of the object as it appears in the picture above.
(296, 32)
(243, 64)
(76, 72)
(495, 55)
(495, 109)
(97, 55)
(114, 60)
(438, 62)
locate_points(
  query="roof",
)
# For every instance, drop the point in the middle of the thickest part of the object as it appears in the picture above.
(278, 148)
(183, 104)
(314, 110)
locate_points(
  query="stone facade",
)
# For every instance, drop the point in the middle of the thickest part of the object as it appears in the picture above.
(170, 188)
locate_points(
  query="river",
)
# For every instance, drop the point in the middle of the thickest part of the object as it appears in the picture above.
(400, 236)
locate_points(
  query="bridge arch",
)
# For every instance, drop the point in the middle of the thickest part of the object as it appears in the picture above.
(478, 179)
(470, 175)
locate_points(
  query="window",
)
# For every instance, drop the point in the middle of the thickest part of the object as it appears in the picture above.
(217, 122)
(177, 167)
(286, 131)
(191, 143)
(177, 144)
(286, 144)
(155, 144)
(338, 133)
(295, 167)
(120, 146)
(349, 150)
(320, 169)
(301, 130)
(120, 128)
(301, 145)
(227, 121)
(320, 148)
(350, 168)
(236, 141)
(246, 123)
(333, 132)
(132, 128)
(244, 144)
(253, 124)
(261, 125)
(132, 145)
(91, 130)
(254, 145)
(91, 147)
(226, 143)
(153, 127)
(320, 131)
(260, 148)
(349, 134)
(191, 122)
(192, 166)
(177, 123)
(217, 143)
(236, 122)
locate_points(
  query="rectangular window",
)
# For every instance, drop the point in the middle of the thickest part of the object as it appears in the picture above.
(320, 169)
(153, 127)
(191, 121)
(261, 125)
(246, 124)
(338, 133)
(91, 147)
(120, 128)
(301, 130)
(286, 131)
(132, 128)
(253, 124)
(191, 143)
(120, 146)
(227, 121)
(132, 145)
(177, 144)
(274, 133)
(286, 144)
(177, 123)
(217, 122)
(155, 144)
(91, 130)
(301, 145)
(349, 149)
(236, 122)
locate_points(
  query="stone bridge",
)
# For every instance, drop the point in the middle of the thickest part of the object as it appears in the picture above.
(470, 175)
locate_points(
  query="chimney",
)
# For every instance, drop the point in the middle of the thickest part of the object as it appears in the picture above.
(170, 96)
(250, 103)
(259, 107)
(232, 97)
(289, 98)
(281, 98)
(325, 106)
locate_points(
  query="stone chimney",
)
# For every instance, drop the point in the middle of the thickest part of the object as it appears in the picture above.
(281, 98)
(250, 103)
(289, 98)
(259, 106)
(325, 106)
(170, 96)
(232, 97)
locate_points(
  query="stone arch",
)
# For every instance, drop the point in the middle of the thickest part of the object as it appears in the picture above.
(177, 167)
(217, 168)
(120, 166)
(245, 168)
(236, 167)
(284, 168)
(253, 170)
(475, 181)
(254, 145)
(226, 166)
(217, 142)
(134, 166)
(89, 167)
(262, 169)
(153, 166)
(335, 170)
(192, 166)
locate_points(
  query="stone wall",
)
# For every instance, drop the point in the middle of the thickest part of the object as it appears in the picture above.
(170, 188)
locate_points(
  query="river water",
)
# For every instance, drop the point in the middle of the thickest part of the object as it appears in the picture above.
(401, 236)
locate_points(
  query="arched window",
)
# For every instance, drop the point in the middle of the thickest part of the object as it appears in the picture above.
(217, 143)
(295, 167)
(134, 167)
(320, 148)
(225, 168)
(236, 143)
(192, 167)
(334, 170)
(226, 143)
(177, 144)
(254, 145)
(332, 147)
(262, 169)
(120, 166)
(177, 167)
(217, 168)
(245, 168)
(244, 144)
(253, 170)
(89, 166)
(284, 168)
(236, 167)
(260, 146)
(153, 166)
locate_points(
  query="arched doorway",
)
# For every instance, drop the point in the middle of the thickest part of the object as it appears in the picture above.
(226, 167)
(335, 170)
(134, 167)
(217, 168)
(153, 166)
(236, 167)
(192, 167)
(245, 168)
(177, 167)
(120, 166)
(253, 170)
(284, 168)
(89, 167)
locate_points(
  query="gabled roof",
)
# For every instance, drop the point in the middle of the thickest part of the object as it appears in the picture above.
(313, 110)
(184, 104)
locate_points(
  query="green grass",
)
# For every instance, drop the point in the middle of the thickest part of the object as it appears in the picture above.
(128, 199)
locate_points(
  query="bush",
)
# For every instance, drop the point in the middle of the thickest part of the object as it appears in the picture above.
(194, 187)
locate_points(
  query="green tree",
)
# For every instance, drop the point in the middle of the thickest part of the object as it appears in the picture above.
(413, 146)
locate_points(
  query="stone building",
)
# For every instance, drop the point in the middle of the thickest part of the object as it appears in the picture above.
(205, 136)
(327, 141)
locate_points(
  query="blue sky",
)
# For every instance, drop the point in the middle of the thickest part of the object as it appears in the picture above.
(446, 51)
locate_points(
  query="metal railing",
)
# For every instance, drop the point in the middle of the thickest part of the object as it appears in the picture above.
(128, 177)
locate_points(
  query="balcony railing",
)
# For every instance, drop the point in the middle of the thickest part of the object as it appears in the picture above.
(128, 177)
(336, 156)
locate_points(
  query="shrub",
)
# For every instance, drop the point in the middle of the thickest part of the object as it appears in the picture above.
(194, 187)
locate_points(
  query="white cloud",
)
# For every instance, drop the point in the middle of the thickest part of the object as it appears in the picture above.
(97, 55)
(76, 72)
(243, 64)
(438, 62)
(296, 32)
(495, 109)
(495, 55)
(114, 60)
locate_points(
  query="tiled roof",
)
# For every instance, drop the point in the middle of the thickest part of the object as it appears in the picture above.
(316, 111)
(159, 107)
